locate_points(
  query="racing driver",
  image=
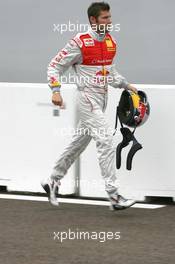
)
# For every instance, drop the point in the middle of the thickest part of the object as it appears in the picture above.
(91, 55)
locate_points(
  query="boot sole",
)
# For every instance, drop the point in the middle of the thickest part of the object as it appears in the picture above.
(117, 208)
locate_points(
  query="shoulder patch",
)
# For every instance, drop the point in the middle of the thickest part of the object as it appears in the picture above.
(88, 42)
(77, 39)
(80, 37)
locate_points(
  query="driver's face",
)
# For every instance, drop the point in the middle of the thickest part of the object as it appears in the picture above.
(103, 20)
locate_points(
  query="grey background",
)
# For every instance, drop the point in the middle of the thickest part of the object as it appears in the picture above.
(146, 41)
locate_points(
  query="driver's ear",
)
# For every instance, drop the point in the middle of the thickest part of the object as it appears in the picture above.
(92, 20)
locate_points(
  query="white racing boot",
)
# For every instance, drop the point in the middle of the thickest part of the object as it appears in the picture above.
(51, 187)
(118, 202)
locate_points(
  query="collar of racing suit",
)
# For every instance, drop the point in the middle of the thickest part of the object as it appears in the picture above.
(95, 35)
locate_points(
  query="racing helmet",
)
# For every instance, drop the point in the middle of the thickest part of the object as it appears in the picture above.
(133, 109)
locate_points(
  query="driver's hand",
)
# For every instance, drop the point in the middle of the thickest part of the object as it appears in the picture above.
(132, 88)
(57, 99)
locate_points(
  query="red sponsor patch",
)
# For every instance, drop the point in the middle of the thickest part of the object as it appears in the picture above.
(88, 42)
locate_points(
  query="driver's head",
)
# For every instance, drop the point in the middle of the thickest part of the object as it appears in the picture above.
(99, 16)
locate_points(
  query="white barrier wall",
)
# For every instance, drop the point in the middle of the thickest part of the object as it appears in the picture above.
(153, 172)
(31, 141)
(30, 137)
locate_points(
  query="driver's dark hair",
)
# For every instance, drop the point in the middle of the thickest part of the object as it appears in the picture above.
(96, 7)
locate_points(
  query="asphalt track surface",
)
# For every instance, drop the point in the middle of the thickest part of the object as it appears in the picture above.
(27, 234)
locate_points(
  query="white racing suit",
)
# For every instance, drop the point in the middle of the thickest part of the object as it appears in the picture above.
(91, 55)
